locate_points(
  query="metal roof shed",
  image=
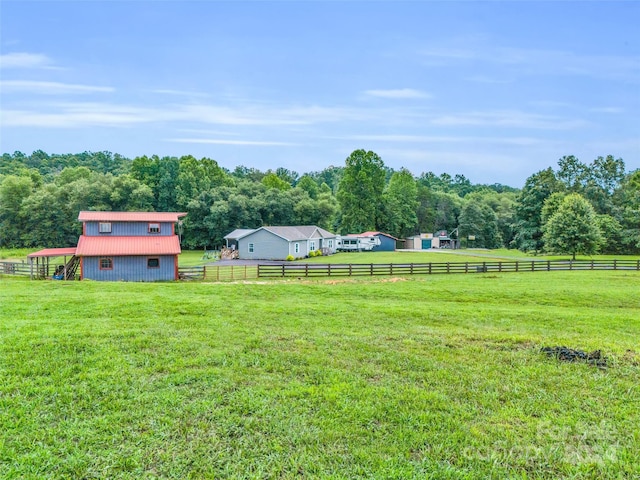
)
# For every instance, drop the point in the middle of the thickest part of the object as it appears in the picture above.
(68, 269)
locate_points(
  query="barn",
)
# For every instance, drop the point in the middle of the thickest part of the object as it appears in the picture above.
(118, 246)
(129, 246)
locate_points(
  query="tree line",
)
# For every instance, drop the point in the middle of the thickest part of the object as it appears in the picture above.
(577, 208)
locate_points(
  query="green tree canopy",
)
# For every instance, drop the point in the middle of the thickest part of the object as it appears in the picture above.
(573, 228)
(360, 192)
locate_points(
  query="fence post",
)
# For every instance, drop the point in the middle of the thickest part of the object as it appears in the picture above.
(429, 268)
(371, 269)
(615, 264)
(283, 269)
(204, 272)
(447, 267)
(548, 265)
(466, 267)
(306, 269)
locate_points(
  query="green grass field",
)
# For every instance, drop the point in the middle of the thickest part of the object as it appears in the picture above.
(432, 377)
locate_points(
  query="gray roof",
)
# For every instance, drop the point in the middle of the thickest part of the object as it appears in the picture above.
(303, 232)
(238, 233)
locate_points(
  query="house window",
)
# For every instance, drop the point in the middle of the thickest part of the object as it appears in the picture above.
(106, 264)
(330, 243)
(104, 227)
(296, 248)
(312, 245)
(153, 263)
(251, 248)
(154, 228)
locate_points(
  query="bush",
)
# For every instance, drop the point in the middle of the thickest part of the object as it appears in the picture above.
(318, 253)
(289, 258)
(312, 254)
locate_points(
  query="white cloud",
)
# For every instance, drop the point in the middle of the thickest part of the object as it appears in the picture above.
(537, 61)
(183, 93)
(402, 93)
(74, 115)
(24, 60)
(429, 139)
(49, 88)
(215, 141)
(509, 119)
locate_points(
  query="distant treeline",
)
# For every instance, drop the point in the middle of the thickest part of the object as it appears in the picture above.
(41, 195)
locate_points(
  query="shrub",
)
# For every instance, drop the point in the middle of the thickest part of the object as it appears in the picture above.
(318, 253)
(290, 258)
(312, 253)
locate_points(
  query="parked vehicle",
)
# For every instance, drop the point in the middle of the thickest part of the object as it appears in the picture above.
(357, 243)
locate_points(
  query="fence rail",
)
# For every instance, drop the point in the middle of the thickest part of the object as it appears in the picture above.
(370, 269)
(247, 272)
(17, 268)
(218, 274)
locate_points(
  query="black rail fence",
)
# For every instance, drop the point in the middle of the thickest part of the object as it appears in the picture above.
(371, 269)
(248, 272)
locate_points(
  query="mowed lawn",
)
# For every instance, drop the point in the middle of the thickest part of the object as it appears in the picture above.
(428, 377)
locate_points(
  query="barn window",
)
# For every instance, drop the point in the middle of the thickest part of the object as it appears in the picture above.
(154, 228)
(251, 248)
(153, 263)
(104, 227)
(106, 264)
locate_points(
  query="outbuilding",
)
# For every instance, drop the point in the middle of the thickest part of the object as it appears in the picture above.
(387, 243)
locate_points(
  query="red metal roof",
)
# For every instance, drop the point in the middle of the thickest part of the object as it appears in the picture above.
(54, 252)
(89, 216)
(373, 234)
(103, 246)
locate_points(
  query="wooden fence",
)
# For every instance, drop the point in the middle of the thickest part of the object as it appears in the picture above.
(333, 270)
(18, 268)
(218, 274)
(247, 272)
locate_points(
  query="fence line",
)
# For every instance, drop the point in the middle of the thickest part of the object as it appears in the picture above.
(372, 269)
(18, 268)
(246, 272)
(218, 274)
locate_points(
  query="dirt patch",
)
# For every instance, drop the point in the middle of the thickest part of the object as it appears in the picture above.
(566, 354)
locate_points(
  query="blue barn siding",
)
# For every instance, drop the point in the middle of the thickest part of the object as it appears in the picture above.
(130, 269)
(387, 244)
(133, 229)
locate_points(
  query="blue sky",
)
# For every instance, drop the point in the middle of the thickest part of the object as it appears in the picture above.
(495, 91)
